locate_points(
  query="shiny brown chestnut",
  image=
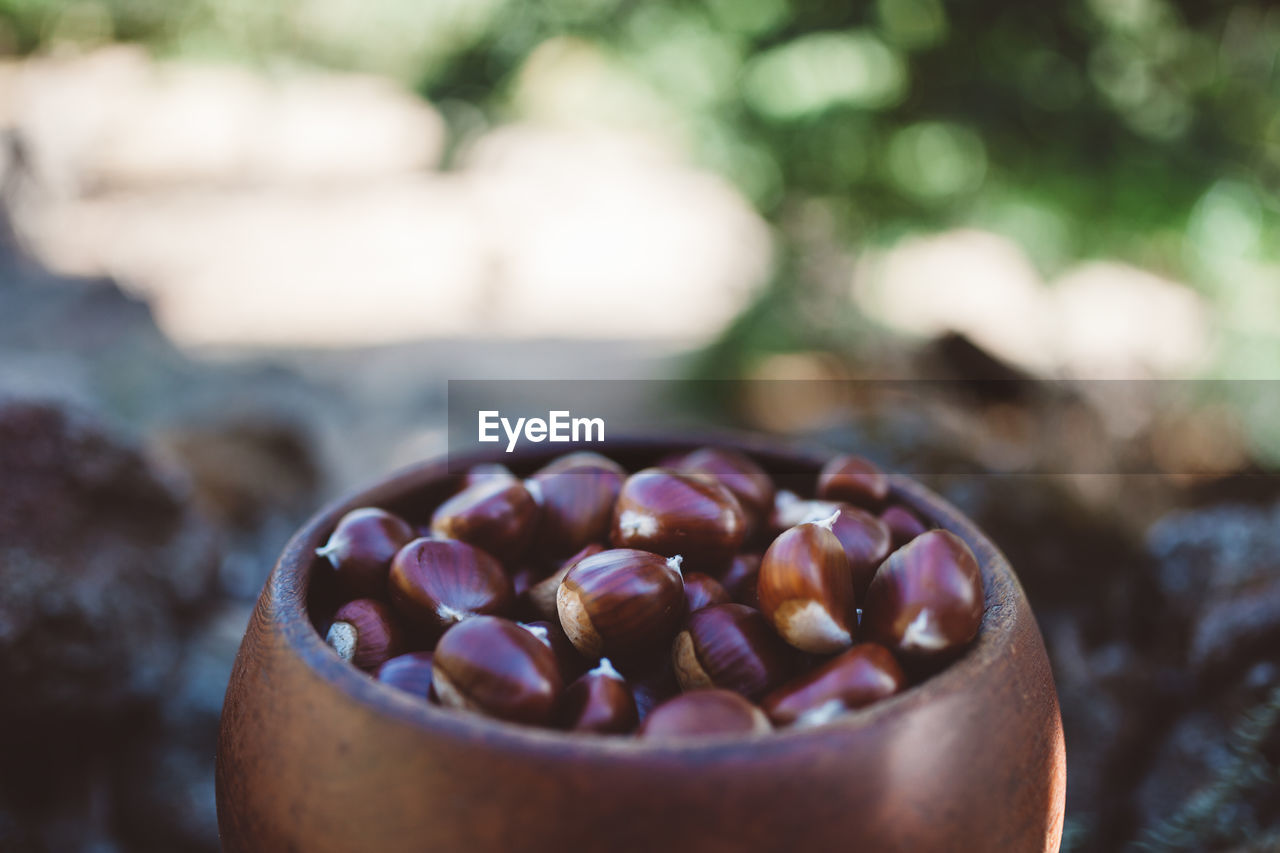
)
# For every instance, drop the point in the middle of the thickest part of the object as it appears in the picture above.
(903, 525)
(806, 588)
(733, 647)
(523, 579)
(493, 666)
(789, 509)
(702, 591)
(497, 515)
(409, 672)
(926, 600)
(576, 493)
(365, 633)
(865, 538)
(599, 702)
(742, 580)
(360, 550)
(738, 473)
(705, 713)
(572, 664)
(487, 472)
(652, 681)
(854, 480)
(437, 582)
(542, 595)
(621, 602)
(864, 674)
(670, 513)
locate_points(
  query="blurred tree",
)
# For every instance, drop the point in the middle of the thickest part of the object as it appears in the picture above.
(1146, 130)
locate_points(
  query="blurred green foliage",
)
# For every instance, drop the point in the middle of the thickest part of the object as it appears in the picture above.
(1145, 130)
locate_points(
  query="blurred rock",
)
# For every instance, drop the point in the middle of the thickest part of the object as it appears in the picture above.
(164, 774)
(971, 282)
(1116, 321)
(245, 468)
(1213, 774)
(1220, 569)
(102, 556)
(1092, 719)
(149, 171)
(116, 118)
(1097, 320)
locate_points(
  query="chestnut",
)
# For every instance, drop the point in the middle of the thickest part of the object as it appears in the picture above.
(854, 480)
(865, 538)
(702, 591)
(671, 513)
(806, 588)
(572, 664)
(492, 665)
(864, 674)
(599, 702)
(523, 579)
(621, 602)
(364, 632)
(925, 601)
(497, 515)
(741, 581)
(705, 712)
(733, 647)
(576, 493)
(437, 582)
(789, 509)
(542, 595)
(360, 550)
(652, 682)
(487, 472)
(903, 525)
(738, 473)
(409, 672)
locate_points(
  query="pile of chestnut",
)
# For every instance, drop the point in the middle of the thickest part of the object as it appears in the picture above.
(688, 599)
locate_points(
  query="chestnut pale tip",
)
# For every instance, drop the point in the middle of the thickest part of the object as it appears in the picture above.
(689, 671)
(576, 622)
(821, 715)
(449, 615)
(448, 695)
(342, 637)
(330, 552)
(633, 523)
(923, 634)
(674, 562)
(534, 488)
(808, 625)
(605, 668)
(538, 631)
(826, 523)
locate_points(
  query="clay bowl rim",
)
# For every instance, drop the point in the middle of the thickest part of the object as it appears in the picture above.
(285, 598)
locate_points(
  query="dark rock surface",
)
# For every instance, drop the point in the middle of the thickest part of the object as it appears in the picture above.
(143, 497)
(102, 557)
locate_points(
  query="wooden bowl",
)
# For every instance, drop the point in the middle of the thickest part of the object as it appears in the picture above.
(315, 756)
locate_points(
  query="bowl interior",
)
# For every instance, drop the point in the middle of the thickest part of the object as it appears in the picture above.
(301, 602)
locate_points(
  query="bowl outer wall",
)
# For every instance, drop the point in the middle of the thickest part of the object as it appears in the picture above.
(315, 756)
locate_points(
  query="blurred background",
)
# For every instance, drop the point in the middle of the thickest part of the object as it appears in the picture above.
(244, 245)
